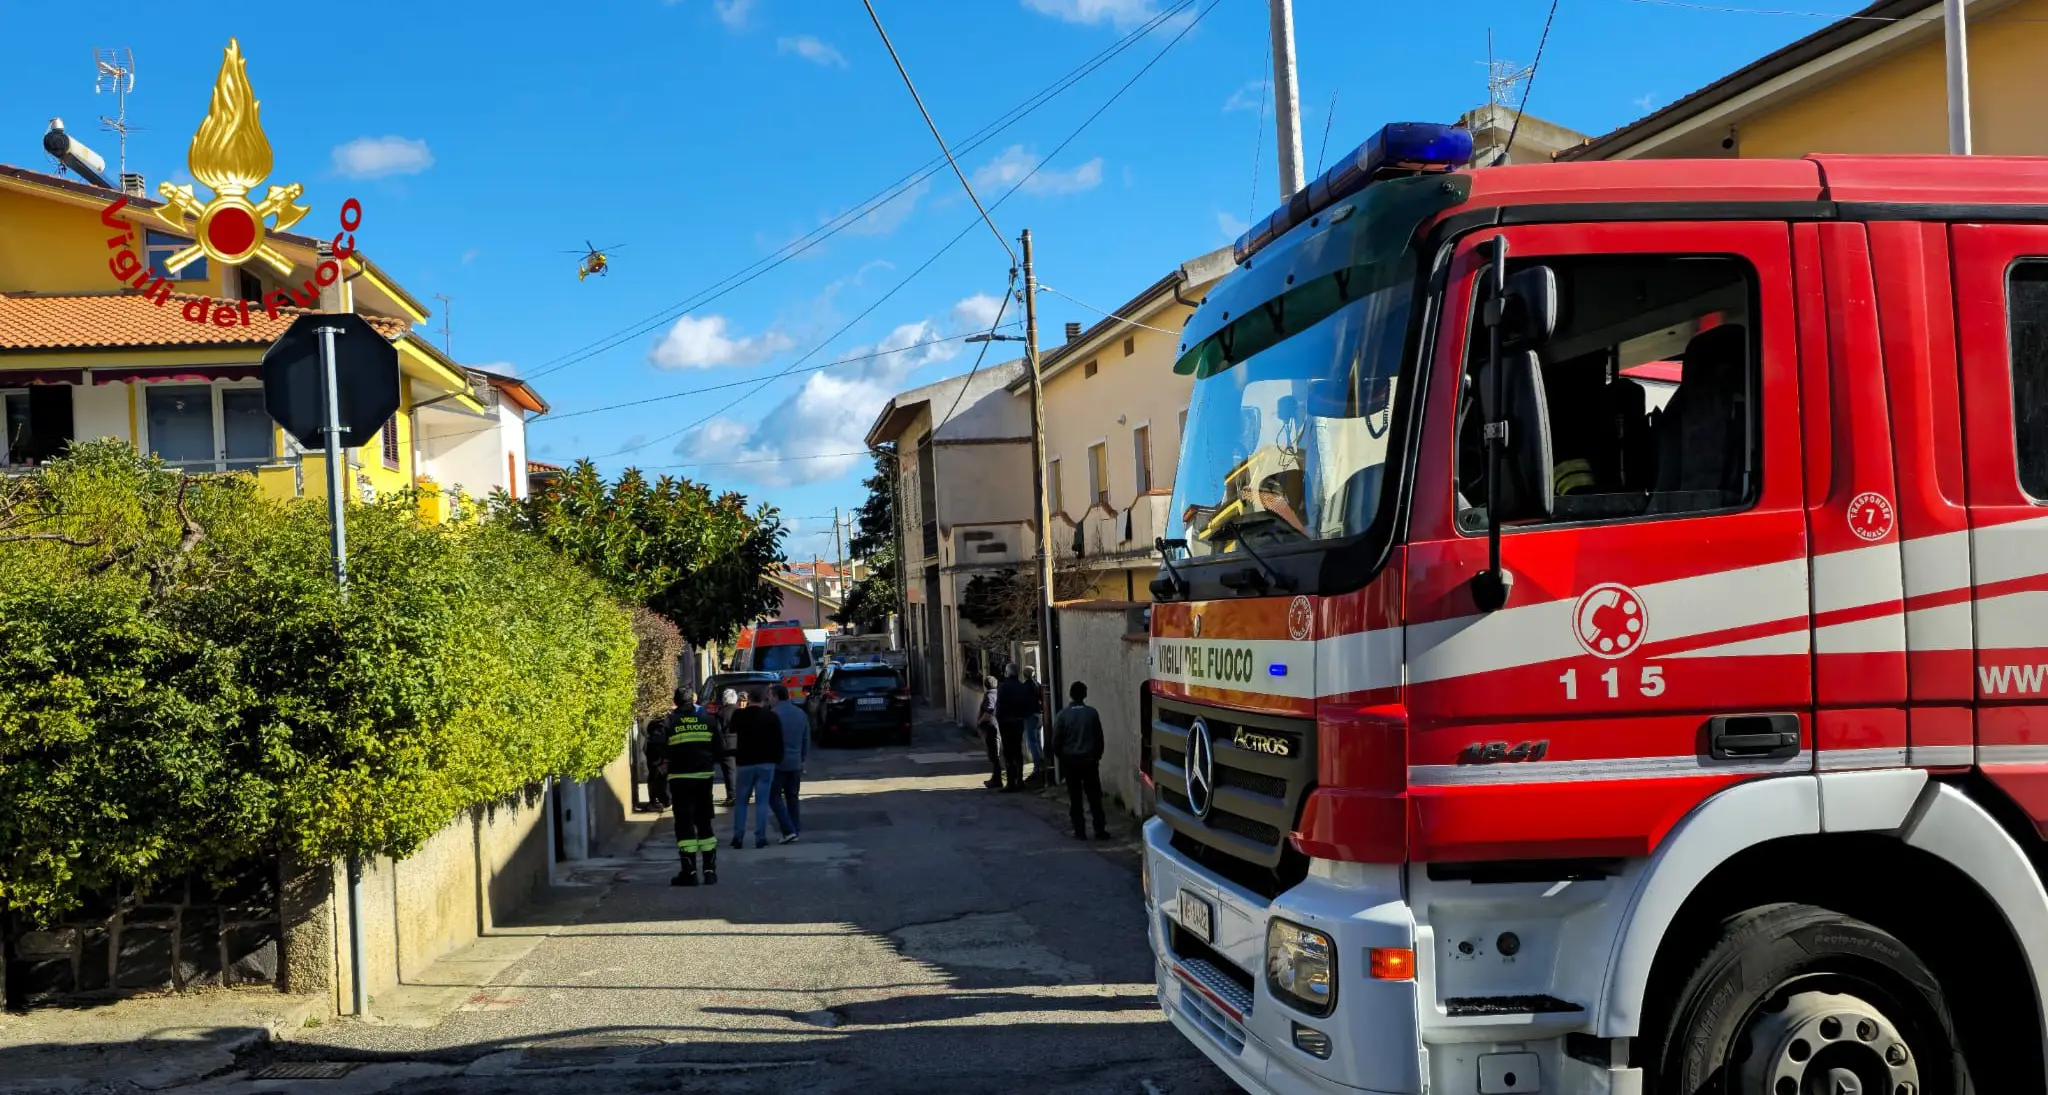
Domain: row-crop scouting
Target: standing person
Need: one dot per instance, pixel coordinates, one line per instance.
(692, 757)
(789, 773)
(1013, 702)
(1077, 742)
(654, 751)
(1034, 721)
(986, 723)
(727, 744)
(759, 734)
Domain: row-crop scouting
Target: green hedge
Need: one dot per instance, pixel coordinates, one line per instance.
(182, 684)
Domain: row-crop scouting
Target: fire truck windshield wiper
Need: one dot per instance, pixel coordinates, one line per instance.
(1266, 575)
(1176, 586)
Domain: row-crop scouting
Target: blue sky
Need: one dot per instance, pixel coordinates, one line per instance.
(483, 140)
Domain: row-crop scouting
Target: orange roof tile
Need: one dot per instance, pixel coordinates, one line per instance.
(126, 318)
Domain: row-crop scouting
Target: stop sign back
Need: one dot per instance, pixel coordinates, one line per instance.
(365, 378)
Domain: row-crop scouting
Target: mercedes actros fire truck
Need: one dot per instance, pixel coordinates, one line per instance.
(1602, 642)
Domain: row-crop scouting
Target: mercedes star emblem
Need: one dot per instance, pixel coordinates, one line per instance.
(1201, 769)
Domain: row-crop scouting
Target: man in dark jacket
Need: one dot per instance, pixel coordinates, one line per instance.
(1077, 742)
(654, 754)
(1014, 700)
(759, 734)
(692, 760)
(722, 727)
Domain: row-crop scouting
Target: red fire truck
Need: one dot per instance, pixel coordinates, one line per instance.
(1603, 642)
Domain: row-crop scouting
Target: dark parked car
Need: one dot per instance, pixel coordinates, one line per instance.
(860, 700)
(711, 695)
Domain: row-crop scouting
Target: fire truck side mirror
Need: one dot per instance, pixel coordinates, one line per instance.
(1525, 311)
(1524, 490)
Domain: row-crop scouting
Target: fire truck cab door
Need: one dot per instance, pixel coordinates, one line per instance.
(1655, 646)
(2001, 309)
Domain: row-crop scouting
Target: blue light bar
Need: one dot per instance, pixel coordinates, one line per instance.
(1398, 149)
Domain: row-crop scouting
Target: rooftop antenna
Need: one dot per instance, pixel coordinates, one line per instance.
(444, 299)
(115, 72)
(1503, 78)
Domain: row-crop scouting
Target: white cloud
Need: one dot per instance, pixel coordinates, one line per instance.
(1014, 164)
(1251, 96)
(470, 255)
(1647, 103)
(890, 215)
(811, 49)
(1230, 226)
(733, 13)
(701, 342)
(1124, 14)
(976, 313)
(805, 438)
(375, 157)
(502, 368)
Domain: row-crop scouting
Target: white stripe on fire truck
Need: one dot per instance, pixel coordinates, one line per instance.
(1359, 662)
(1881, 756)
(1786, 642)
(1856, 577)
(1942, 756)
(2015, 620)
(2012, 754)
(1606, 768)
(2000, 553)
(1876, 635)
(1532, 634)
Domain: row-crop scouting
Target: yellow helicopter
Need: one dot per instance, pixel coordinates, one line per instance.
(595, 260)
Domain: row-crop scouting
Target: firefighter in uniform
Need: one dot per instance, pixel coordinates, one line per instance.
(693, 752)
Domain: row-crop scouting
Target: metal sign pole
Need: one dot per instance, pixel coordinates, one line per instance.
(335, 469)
(359, 995)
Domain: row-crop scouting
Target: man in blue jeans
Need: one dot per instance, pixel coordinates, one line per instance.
(789, 772)
(758, 734)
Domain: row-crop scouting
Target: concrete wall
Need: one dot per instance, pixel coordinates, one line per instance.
(1101, 643)
(473, 875)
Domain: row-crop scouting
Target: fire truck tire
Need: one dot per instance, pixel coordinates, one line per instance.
(1793, 998)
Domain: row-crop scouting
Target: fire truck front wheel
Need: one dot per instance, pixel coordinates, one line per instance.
(1793, 999)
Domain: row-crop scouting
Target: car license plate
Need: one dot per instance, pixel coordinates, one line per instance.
(1197, 916)
(871, 702)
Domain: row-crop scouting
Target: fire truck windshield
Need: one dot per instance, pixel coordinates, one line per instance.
(1287, 443)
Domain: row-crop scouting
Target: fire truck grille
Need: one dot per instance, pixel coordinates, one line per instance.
(1260, 769)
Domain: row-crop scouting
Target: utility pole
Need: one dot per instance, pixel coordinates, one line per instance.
(839, 561)
(817, 604)
(1287, 99)
(1048, 642)
(1958, 78)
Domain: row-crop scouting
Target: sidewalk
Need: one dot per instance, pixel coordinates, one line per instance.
(1050, 800)
(149, 1042)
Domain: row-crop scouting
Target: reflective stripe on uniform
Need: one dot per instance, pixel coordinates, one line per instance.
(697, 844)
(690, 775)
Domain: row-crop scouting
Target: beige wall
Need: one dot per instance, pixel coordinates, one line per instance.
(1900, 105)
(1141, 388)
(1094, 648)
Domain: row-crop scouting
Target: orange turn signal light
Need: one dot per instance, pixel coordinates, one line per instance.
(1391, 963)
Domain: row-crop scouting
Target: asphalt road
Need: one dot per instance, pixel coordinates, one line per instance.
(925, 935)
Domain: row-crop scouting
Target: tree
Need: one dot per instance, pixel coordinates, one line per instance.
(696, 558)
(870, 600)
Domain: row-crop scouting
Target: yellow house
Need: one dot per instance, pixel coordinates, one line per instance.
(84, 355)
(1874, 82)
(1114, 409)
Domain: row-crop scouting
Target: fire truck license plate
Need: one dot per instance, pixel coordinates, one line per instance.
(1197, 917)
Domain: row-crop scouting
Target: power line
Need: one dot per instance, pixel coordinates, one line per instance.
(1529, 86)
(949, 244)
(934, 127)
(1328, 119)
(757, 460)
(986, 343)
(1100, 312)
(740, 383)
(853, 215)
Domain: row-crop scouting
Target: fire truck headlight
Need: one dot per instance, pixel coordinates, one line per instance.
(1301, 967)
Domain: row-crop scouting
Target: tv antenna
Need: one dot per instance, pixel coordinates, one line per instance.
(446, 318)
(1503, 78)
(114, 71)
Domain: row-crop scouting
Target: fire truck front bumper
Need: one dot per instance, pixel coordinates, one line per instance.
(1209, 941)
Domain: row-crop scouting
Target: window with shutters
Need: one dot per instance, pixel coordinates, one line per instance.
(391, 443)
(1098, 473)
(1052, 485)
(1087, 370)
